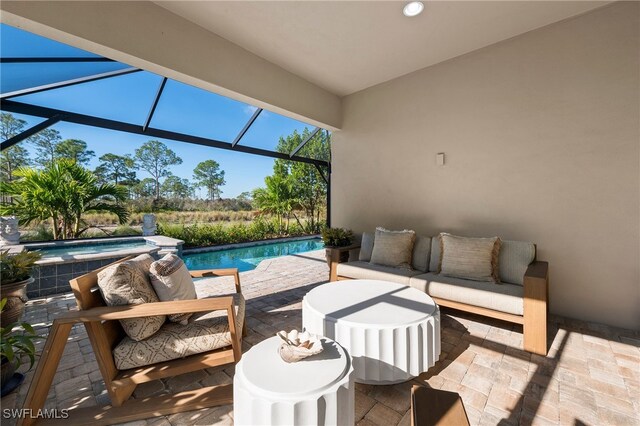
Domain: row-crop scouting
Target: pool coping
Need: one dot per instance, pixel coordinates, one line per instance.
(248, 244)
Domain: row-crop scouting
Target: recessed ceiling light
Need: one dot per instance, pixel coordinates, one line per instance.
(413, 9)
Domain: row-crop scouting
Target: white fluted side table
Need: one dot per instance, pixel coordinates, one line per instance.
(391, 331)
(318, 390)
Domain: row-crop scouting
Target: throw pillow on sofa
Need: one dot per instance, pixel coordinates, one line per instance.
(366, 246)
(171, 281)
(470, 258)
(127, 283)
(421, 253)
(393, 248)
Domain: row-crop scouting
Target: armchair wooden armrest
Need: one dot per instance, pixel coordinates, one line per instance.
(536, 307)
(229, 272)
(104, 313)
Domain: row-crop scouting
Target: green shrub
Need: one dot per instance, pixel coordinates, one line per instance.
(125, 231)
(200, 235)
(17, 267)
(40, 233)
(17, 340)
(337, 237)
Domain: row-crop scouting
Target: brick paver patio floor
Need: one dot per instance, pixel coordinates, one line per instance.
(591, 375)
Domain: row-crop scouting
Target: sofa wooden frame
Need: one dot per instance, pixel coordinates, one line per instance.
(536, 301)
(104, 331)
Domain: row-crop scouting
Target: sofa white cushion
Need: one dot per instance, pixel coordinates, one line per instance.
(421, 253)
(506, 298)
(515, 257)
(369, 271)
(393, 248)
(171, 281)
(366, 246)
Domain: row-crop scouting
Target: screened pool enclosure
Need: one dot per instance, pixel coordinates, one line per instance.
(49, 84)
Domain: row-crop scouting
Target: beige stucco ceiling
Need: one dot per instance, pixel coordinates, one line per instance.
(345, 47)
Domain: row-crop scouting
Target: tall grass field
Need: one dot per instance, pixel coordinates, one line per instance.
(196, 228)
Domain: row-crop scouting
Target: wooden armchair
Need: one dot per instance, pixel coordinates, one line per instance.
(105, 332)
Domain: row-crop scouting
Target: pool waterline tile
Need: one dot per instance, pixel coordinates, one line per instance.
(64, 268)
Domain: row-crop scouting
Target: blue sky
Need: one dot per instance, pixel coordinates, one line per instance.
(182, 108)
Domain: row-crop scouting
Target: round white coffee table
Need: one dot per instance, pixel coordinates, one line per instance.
(318, 390)
(391, 331)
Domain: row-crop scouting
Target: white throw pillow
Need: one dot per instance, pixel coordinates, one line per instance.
(171, 281)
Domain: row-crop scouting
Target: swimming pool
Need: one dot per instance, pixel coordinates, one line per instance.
(247, 258)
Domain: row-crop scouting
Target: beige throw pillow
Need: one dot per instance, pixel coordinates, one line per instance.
(393, 248)
(470, 258)
(171, 281)
(127, 283)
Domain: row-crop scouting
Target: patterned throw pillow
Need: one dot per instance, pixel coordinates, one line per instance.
(171, 281)
(127, 283)
(471, 258)
(393, 248)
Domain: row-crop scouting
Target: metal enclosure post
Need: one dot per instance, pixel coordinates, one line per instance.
(329, 195)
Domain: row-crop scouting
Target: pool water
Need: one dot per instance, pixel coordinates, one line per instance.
(72, 250)
(247, 258)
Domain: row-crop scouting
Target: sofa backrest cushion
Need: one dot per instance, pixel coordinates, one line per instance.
(421, 253)
(366, 246)
(393, 248)
(514, 259)
(434, 257)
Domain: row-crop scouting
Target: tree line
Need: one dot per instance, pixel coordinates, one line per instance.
(153, 157)
(58, 175)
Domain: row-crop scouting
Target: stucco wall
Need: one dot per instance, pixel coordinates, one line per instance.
(542, 141)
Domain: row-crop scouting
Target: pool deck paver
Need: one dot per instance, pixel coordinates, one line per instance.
(591, 375)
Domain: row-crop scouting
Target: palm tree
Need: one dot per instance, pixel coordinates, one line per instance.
(277, 198)
(61, 193)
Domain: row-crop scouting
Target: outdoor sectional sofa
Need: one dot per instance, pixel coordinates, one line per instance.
(521, 296)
